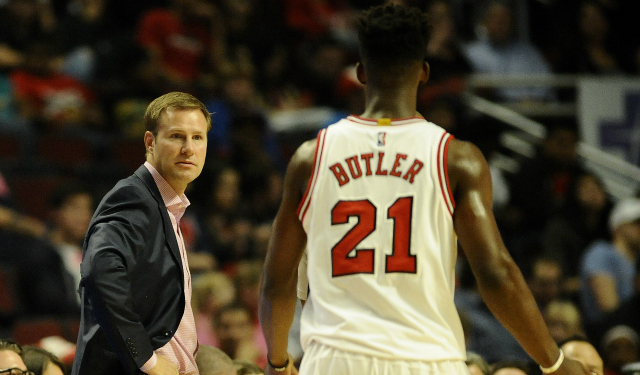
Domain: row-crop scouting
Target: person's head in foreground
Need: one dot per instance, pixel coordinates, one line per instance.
(11, 358)
(476, 364)
(213, 361)
(580, 349)
(42, 362)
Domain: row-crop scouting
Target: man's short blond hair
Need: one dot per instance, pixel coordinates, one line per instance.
(173, 100)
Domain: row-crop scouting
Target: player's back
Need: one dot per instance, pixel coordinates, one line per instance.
(381, 246)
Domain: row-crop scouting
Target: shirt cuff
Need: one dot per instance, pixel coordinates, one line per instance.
(150, 363)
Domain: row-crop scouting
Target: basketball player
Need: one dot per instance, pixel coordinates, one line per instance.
(378, 201)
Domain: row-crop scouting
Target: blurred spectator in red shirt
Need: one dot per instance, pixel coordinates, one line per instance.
(53, 99)
(179, 42)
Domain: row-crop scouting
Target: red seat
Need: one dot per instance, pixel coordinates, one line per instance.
(30, 331)
(72, 330)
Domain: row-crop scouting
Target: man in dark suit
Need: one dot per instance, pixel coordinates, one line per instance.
(136, 285)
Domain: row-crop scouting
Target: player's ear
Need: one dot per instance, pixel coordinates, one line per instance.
(148, 141)
(424, 74)
(362, 78)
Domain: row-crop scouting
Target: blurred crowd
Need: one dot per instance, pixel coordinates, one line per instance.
(77, 75)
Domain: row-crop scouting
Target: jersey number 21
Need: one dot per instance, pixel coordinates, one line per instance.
(400, 259)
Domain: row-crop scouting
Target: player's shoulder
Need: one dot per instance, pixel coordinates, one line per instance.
(465, 160)
(464, 152)
(305, 152)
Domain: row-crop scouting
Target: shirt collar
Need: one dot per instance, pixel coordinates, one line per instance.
(169, 196)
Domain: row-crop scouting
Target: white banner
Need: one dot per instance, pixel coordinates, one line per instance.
(609, 115)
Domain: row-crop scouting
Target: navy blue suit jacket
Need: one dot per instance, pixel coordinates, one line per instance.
(132, 286)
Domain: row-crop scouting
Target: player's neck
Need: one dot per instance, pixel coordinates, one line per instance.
(400, 104)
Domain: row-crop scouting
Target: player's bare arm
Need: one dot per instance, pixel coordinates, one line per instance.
(287, 244)
(499, 280)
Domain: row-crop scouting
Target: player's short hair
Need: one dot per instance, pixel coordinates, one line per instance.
(173, 100)
(392, 34)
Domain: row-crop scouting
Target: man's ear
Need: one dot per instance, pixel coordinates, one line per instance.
(362, 78)
(424, 75)
(149, 140)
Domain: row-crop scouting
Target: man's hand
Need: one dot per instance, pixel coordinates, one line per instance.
(163, 367)
(571, 367)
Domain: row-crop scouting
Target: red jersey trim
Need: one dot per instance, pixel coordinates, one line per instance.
(306, 198)
(446, 170)
(442, 171)
(394, 122)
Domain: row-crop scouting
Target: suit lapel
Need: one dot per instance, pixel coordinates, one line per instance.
(146, 177)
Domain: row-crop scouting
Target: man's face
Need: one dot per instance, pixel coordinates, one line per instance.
(545, 283)
(75, 215)
(179, 149)
(630, 234)
(235, 326)
(498, 22)
(10, 359)
(586, 354)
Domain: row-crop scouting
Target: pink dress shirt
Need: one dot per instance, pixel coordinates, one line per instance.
(182, 347)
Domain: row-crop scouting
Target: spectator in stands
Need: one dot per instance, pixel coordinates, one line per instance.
(235, 332)
(244, 367)
(582, 220)
(538, 190)
(323, 64)
(263, 189)
(11, 357)
(486, 336)
(595, 50)
(17, 231)
(563, 319)
(211, 292)
(22, 22)
(510, 368)
(498, 52)
(449, 65)
(545, 281)
(94, 47)
(248, 275)
(620, 347)
(226, 228)
(41, 362)
(444, 52)
(476, 364)
(180, 43)
(213, 361)
(50, 276)
(608, 269)
(11, 123)
(52, 99)
(312, 19)
(579, 348)
(13, 221)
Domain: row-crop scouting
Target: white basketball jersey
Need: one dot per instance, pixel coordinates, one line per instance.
(380, 242)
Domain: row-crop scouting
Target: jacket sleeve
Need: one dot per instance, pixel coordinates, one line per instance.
(117, 237)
